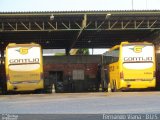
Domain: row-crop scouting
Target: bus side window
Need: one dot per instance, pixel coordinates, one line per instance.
(107, 58)
(111, 57)
(115, 55)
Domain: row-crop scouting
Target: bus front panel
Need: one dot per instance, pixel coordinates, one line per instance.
(138, 66)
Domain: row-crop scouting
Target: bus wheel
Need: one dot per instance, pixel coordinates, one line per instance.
(114, 89)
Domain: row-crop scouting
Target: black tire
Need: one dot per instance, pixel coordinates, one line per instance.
(114, 87)
(39, 91)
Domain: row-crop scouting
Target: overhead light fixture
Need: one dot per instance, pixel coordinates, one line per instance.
(108, 15)
(52, 17)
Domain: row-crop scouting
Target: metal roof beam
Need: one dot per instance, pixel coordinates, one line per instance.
(67, 27)
(55, 28)
(106, 18)
(84, 25)
(12, 26)
(27, 28)
(137, 26)
(150, 26)
(122, 12)
(126, 24)
(111, 26)
(38, 26)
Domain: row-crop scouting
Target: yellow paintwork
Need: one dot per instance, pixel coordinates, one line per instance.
(21, 80)
(25, 86)
(73, 51)
(133, 79)
(139, 84)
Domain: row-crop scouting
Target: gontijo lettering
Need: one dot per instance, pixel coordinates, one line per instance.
(19, 61)
(132, 59)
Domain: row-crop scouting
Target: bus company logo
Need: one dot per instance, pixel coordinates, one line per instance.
(23, 51)
(137, 49)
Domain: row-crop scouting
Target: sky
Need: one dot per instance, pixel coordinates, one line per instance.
(77, 5)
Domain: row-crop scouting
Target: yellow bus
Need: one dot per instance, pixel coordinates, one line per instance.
(24, 67)
(129, 66)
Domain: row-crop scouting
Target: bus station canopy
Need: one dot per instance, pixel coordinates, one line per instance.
(79, 29)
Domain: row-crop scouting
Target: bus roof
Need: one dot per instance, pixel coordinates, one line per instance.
(114, 47)
(10, 45)
(137, 43)
(129, 43)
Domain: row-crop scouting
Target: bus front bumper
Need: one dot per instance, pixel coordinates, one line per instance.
(25, 86)
(138, 84)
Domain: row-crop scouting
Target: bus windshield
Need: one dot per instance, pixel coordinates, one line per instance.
(139, 56)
